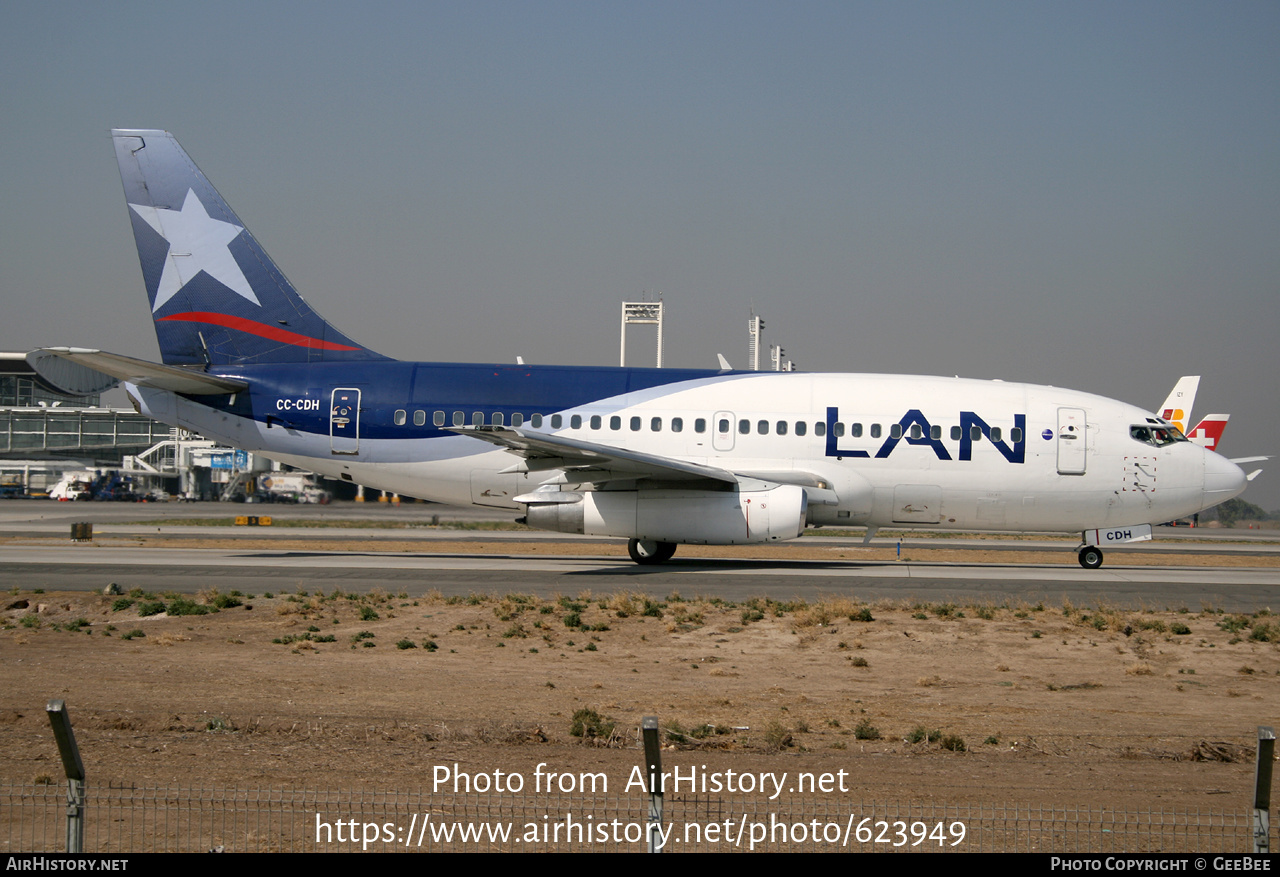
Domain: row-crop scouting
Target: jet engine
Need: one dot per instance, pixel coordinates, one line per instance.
(708, 517)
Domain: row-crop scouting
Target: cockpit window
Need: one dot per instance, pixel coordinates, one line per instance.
(1158, 436)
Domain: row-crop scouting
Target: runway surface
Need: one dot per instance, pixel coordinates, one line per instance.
(69, 566)
(89, 567)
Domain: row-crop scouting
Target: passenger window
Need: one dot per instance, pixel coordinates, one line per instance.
(459, 418)
(723, 425)
(477, 418)
(399, 417)
(819, 429)
(575, 422)
(536, 421)
(975, 433)
(419, 418)
(956, 433)
(744, 427)
(677, 424)
(1015, 435)
(557, 421)
(437, 418)
(595, 421)
(762, 427)
(855, 430)
(837, 429)
(655, 425)
(782, 427)
(895, 431)
(995, 433)
(615, 422)
(496, 420)
(801, 427)
(935, 432)
(700, 425)
(517, 419)
(875, 430)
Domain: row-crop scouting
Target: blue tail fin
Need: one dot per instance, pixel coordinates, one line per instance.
(216, 296)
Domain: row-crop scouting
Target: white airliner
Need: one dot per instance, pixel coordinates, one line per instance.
(658, 456)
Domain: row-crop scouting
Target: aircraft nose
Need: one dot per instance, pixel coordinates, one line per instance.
(1222, 478)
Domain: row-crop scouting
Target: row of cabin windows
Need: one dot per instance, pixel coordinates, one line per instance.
(723, 426)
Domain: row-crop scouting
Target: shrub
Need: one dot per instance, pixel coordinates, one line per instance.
(587, 722)
(864, 730)
(919, 734)
(1265, 633)
(187, 606)
(776, 736)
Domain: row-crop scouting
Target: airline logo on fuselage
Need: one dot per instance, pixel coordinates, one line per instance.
(1015, 453)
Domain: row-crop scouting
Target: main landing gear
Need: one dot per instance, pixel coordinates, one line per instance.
(1091, 557)
(646, 552)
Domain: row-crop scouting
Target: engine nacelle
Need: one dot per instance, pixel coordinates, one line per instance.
(730, 517)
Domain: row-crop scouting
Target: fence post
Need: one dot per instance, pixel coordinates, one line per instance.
(73, 767)
(1262, 790)
(653, 763)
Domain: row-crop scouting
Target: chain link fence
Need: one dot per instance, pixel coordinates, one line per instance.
(185, 819)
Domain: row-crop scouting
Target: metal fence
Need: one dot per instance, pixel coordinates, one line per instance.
(182, 819)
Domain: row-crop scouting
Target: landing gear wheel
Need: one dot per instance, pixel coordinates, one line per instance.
(1090, 557)
(646, 552)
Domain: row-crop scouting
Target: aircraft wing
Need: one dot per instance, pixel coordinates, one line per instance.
(597, 463)
(143, 373)
(542, 452)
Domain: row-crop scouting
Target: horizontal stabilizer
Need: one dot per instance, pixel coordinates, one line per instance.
(146, 374)
(59, 375)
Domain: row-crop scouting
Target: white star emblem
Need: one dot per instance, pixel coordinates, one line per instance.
(197, 242)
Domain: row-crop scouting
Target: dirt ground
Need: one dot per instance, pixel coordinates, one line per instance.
(1079, 706)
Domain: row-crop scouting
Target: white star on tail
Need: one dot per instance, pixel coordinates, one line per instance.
(197, 242)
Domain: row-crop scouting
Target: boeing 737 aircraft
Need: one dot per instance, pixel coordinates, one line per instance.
(658, 456)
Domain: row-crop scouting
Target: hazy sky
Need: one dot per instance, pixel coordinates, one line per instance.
(1077, 193)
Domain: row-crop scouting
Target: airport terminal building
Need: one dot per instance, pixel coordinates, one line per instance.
(52, 441)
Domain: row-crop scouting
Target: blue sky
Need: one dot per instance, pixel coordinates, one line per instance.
(1082, 194)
